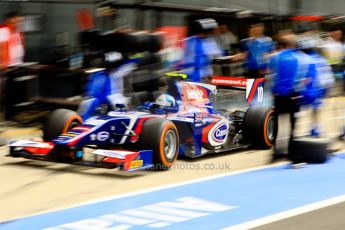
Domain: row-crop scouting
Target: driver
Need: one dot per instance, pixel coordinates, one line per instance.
(165, 101)
(163, 104)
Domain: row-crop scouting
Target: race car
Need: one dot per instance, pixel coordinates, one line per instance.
(181, 122)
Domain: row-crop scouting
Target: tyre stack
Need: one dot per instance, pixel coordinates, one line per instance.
(134, 42)
(310, 150)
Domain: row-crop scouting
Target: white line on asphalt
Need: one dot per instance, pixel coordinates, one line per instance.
(328, 135)
(127, 219)
(287, 214)
(329, 119)
(304, 123)
(336, 118)
(157, 216)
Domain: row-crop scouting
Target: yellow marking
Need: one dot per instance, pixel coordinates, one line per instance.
(69, 134)
(136, 164)
(11, 133)
(138, 55)
(182, 75)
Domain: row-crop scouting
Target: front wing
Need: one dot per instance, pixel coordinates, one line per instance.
(125, 160)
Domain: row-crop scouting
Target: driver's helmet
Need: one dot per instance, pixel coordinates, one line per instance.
(166, 100)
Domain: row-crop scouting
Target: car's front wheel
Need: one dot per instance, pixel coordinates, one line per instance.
(161, 136)
(60, 121)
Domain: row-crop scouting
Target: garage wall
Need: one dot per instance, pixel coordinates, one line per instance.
(61, 17)
(148, 18)
(267, 6)
(57, 18)
(177, 18)
(323, 7)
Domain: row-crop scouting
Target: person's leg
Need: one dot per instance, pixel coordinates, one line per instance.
(342, 135)
(2, 95)
(343, 82)
(294, 108)
(315, 128)
(292, 155)
(280, 145)
(277, 103)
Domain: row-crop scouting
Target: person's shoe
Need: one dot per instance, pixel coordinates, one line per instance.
(298, 165)
(277, 158)
(314, 132)
(3, 141)
(342, 137)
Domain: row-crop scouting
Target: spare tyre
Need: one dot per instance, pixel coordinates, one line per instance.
(309, 150)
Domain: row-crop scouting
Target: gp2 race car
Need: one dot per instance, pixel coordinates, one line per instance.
(182, 122)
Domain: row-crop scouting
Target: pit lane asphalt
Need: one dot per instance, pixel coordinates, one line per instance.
(330, 218)
(29, 187)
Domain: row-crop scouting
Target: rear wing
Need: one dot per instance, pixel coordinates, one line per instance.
(254, 87)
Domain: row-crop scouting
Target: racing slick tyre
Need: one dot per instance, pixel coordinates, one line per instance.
(161, 136)
(260, 127)
(60, 121)
(310, 150)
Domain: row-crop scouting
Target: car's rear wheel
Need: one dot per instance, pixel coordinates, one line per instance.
(60, 121)
(260, 127)
(161, 136)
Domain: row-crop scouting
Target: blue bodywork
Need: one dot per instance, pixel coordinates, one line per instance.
(115, 136)
(193, 115)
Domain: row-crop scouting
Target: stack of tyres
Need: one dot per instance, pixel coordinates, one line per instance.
(310, 150)
(134, 42)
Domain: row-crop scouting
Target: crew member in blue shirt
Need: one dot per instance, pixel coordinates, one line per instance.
(200, 50)
(290, 69)
(255, 51)
(321, 80)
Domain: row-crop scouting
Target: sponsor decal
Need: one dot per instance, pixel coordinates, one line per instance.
(198, 117)
(136, 164)
(101, 136)
(255, 90)
(82, 128)
(220, 132)
(69, 135)
(23, 143)
(181, 75)
(229, 81)
(181, 118)
(94, 122)
(194, 94)
(198, 124)
(130, 114)
(114, 154)
(207, 120)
